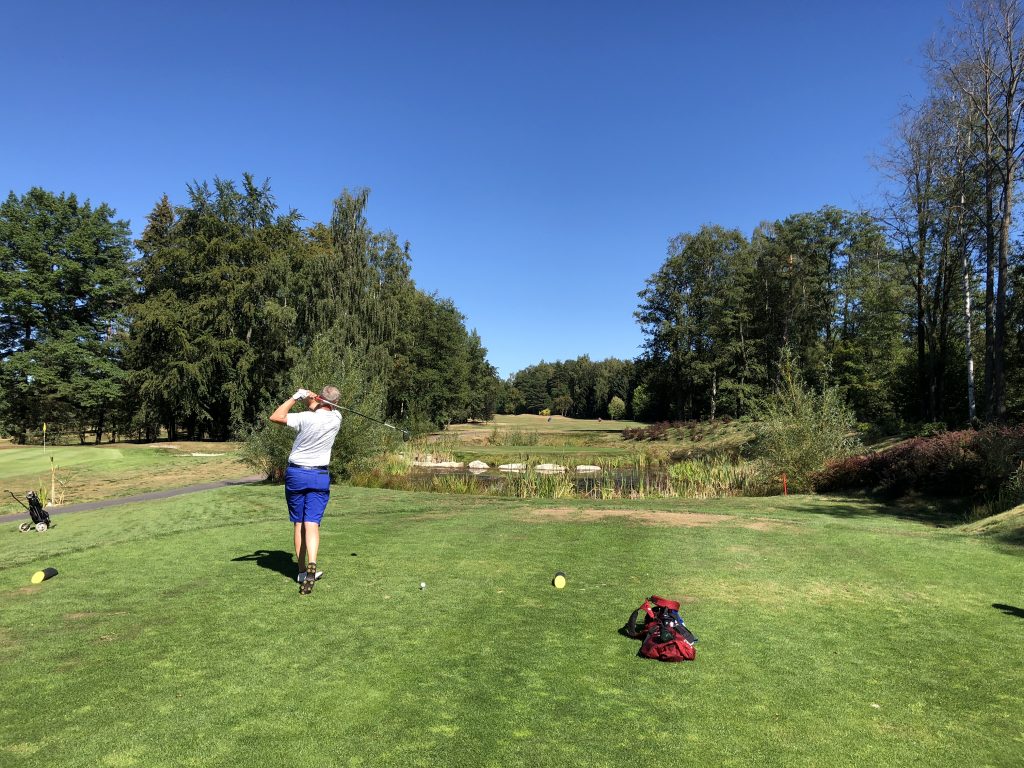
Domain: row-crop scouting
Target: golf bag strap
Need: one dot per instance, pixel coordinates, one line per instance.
(633, 628)
(663, 602)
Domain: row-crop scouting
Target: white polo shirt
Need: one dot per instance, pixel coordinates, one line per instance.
(316, 432)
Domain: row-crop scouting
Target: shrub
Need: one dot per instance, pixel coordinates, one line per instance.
(267, 446)
(266, 450)
(799, 431)
(941, 465)
(657, 431)
(960, 464)
(931, 429)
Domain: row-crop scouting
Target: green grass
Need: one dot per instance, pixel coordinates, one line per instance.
(92, 472)
(834, 632)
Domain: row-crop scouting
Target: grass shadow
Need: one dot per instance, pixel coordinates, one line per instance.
(1009, 610)
(941, 513)
(277, 560)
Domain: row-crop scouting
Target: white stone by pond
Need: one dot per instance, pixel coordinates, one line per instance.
(551, 468)
(479, 465)
(587, 468)
(512, 467)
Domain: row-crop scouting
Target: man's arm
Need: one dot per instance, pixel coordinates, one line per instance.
(280, 416)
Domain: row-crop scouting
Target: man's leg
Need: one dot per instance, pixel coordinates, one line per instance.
(316, 503)
(296, 499)
(300, 547)
(311, 534)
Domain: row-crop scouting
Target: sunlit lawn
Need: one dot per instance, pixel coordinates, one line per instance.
(833, 633)
(91, 472)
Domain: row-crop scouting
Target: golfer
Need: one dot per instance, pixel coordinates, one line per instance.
(307, 483)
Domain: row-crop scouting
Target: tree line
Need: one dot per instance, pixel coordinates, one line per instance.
(909, 309)
(202, 324)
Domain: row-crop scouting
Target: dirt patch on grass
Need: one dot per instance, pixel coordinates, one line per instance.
(26, 590)
(79, 615)
(764, 524)
(674, 519)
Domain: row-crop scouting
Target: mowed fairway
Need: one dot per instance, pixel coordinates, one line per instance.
(832, 633)
(92, 472)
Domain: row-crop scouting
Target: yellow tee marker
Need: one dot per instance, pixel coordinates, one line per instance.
(40, 576)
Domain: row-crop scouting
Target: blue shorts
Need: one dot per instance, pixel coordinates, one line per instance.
(307, 492)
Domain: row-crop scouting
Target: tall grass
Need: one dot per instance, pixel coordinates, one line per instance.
(461, 484)
(441, 447)
(709, 477)
(644, 473)
(513, 437)
(539, 485)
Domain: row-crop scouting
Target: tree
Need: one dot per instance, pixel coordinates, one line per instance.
(324, 362)
(212, 331)
(510, 399)
(616, 408)
(983, 58)
(695, 314)
(533, 384)
(440, 388)
(826, 295)
(63, 286)
(483, 389)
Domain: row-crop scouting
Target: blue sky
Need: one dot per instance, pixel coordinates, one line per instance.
(537, 155)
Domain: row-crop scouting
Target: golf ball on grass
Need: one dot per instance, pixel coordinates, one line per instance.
(423, 585)
(559, 581)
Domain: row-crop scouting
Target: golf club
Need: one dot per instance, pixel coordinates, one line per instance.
(403, 432)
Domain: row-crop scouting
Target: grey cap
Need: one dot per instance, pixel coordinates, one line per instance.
(330, 394)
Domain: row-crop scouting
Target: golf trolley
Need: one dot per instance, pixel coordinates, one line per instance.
(40, 517)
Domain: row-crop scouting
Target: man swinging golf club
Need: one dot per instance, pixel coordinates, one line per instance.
(307, 483)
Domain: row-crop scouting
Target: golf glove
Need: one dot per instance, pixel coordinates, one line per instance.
(301, 394)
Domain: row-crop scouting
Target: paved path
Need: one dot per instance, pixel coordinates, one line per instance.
(136, 499)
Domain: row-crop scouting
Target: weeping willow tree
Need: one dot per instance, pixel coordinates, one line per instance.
(354, 288)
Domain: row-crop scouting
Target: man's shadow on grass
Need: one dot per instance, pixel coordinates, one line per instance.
(276, 560)
(1009, 610)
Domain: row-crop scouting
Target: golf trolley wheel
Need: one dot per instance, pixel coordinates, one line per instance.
(41, 527)
(24, 527)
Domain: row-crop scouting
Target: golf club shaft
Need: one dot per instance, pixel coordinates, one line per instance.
(368, 418)
(357, 413)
